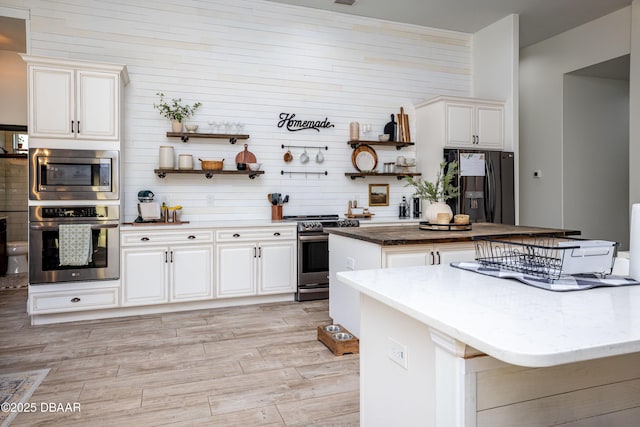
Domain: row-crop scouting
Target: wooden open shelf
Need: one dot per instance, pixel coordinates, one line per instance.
(399, 175)
(184, 136)
(207, 173)
(396, 144)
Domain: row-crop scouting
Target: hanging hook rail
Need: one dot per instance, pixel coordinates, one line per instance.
(305, 146)
(282, 172)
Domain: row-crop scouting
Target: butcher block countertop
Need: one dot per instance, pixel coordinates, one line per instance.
(411, 234)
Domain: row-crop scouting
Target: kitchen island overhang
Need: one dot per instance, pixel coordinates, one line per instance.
(482, 351)
(506, 319)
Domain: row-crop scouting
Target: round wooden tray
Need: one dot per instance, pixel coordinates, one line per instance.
(364, 158)
(425, 225)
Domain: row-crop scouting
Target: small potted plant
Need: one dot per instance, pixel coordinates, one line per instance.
(437, 192)
(175, 111)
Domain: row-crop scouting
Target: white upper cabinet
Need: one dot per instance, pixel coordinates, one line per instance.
(461, 123)
(456, 122)
(474, 124)
(74, 100)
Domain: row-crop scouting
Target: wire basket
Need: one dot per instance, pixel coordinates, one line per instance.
(547, 257)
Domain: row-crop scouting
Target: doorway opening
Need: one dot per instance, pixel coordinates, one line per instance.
(595, 151)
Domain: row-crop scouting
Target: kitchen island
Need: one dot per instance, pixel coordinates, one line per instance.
(407, 245)
(440, 346)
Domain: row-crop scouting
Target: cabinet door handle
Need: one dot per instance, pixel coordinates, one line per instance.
(191, 237)
(74, 300)
(254, 252)
(433, 258)
(438, 253)
(165, 257)
(260, 252)
(78, 126)
(145, 239)
(236, 235)
(72, 127)
(276, 234)
(171, 257)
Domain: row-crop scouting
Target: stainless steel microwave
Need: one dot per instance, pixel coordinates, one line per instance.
(56, 174)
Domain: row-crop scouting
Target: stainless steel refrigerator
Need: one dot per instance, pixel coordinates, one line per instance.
(486, 180)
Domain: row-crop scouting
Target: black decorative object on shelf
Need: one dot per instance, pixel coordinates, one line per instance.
(390, 129)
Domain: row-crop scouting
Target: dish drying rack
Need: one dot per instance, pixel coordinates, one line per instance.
(547, 257)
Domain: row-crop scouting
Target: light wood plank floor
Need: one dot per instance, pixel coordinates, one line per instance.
(240, 366)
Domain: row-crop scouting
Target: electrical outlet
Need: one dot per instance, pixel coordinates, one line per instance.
(398, 352)
(351, 263)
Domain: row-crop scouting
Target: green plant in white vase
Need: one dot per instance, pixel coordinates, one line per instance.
(438, 191)
(175, 110)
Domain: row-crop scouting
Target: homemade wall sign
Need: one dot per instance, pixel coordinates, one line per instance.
(289, 122)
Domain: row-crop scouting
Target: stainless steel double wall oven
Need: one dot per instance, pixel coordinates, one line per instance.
(80, 179)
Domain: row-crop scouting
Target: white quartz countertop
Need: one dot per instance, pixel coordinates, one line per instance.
(506, 319)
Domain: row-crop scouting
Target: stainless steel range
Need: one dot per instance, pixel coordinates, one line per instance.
(313, 253)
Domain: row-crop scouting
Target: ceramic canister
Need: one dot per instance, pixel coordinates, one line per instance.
(354, 131)
(166, 160)
(185, 161)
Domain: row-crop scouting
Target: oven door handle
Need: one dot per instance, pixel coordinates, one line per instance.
(314, 238)
(55, 227)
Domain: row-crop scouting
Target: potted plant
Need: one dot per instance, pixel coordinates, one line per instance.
(437, 192)
(175, 111)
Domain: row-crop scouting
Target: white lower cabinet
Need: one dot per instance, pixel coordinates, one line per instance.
(69, 299)
(255, 261)
(162, 267)
(403, 256)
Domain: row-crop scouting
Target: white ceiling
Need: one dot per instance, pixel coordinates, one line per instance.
(539, 19)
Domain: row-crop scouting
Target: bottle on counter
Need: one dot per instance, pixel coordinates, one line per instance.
(416, 207)
(403, 211)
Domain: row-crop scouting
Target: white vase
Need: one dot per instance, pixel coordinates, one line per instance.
(432, 211)
(176, 126)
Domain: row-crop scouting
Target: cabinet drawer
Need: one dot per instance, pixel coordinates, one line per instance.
(57, 302)
(156, 237)
(254, 234)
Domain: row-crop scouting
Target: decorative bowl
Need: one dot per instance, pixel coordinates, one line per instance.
(254, 166)
(241, 166)
(384, 137)
(191, 128)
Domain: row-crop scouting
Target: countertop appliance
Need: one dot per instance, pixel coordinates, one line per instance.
(313, 253)
(44, 243)
(486, 180)
(56, 174)
(148, 210)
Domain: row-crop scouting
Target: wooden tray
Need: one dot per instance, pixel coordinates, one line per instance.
(338, 347)
(424, 225)
(366, 215)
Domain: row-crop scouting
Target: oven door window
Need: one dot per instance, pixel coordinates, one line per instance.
(314, 256)
(51, 257)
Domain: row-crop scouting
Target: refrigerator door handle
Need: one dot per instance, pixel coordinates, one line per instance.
(491, 192)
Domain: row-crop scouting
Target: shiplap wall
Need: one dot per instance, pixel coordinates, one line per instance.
(249, 61)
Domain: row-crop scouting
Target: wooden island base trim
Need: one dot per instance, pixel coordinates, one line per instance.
(338, 347)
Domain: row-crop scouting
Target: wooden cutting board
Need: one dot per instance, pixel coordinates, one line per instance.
(245, 156)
